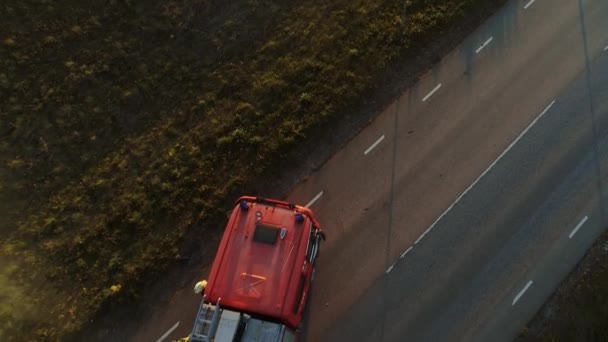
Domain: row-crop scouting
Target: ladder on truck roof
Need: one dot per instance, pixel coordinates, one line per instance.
(206, 321)
(214, 323)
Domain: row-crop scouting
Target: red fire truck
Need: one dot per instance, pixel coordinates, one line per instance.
(259, 282)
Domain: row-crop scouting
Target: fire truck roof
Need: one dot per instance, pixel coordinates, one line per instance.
(257, 268)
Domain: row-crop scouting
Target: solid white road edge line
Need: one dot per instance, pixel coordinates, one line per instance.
(521, 293)
(168, 332)
(388, 270)
(369, 149)
(486, 171)
(529, 4)
(312, 201)
(484, 44)
(606, 48)
(431, 93)
(578, 226)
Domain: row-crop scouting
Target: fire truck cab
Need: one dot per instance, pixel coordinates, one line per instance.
(259, 282)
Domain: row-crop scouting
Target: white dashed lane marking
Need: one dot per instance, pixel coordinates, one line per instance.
(369, 149)
(165, 335)
(529, 4)
(521, 293)
(484, 44)
(578, 226)
(312, 201)
(428, 96)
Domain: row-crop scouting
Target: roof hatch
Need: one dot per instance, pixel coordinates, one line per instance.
(266, 234)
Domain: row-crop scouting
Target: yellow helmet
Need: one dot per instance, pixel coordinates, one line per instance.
(200, 286)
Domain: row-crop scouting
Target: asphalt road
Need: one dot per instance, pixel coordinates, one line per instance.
(449, 218)
(515, 226)
(507, 229)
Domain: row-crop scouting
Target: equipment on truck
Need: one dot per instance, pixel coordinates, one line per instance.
(259, 282)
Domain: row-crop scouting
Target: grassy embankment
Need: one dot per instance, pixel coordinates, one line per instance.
(124, 124)
(578, 310)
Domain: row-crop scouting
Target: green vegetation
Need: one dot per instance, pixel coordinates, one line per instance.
(125, 124)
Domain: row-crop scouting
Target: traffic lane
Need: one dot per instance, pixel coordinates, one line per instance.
(351, 180)
(595, 31)
(351, 204)
(570, 249)
(454, 267)
(347, 276)
(469, 308)
(351, 184)
(549, 271)
(506, 273)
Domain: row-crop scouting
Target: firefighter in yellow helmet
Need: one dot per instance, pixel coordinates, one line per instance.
(200, 287)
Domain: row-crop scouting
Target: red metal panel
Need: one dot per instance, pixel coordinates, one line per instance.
(261, 278)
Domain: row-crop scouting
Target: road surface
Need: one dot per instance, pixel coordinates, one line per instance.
(511, 227)
(459, 209)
